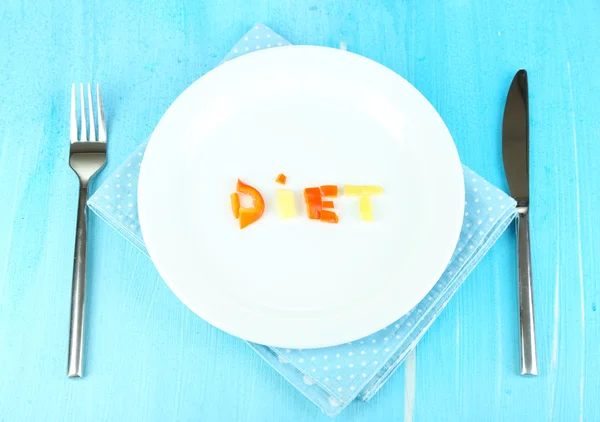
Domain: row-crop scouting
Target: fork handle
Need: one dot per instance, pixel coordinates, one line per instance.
(75, 364)
(526, 317)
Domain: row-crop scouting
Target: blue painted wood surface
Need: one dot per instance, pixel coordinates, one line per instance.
(148, 357)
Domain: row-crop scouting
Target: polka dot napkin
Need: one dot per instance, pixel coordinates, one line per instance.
(334, 376)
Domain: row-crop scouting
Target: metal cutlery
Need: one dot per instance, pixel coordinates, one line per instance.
(515, 153)
(87, 156)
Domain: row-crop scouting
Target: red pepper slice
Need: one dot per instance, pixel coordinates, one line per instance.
(281, 179)
(329, 191)
(329, 217)
(314, 206)
(250, 215)
(235, 204)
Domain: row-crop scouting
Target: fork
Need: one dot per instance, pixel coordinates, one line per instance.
(87, 156)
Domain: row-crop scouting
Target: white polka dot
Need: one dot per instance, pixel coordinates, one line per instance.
(487, 188)
(374, 350)
(246, 49)
(301, 360)
(475, 189)
(118, 175)
(489, 198)
(491, 219)
(245, 38)
(307, 380)
(118, 207)
(375, 362)
(312, 358)
(502, 206)
(129, 195)
(235, 50)
(364, 375)
(499, 197)
(362, 342)
(490, 208)
(449, 272)
(460, 259)
(408, 324)
(256, 27)
(119, 195)
(314, 370)
(278, 43)
(106, 186)
(420, 311)
(128, 185)
(351, 365)
(282, 359)
(364, 363)
(352, 387)
(468, 224)
(325, 368)
(130, 205)
(268, 35)
(385, 339)
(476, 199)
(258, 47)
(474, 180)
(350, 353)
(325, 357)
(339, 388)
(470, 246)
(397, 337)
(470, 236)
(108, 206)
(334, 402)
(387, 350)
(362, 353)
(466, 214)
(338, 367)
(429, 298)
(128, 164)
(131, 226)
(479, 221)
(339, 378)
(326, 379)
(373, 341)
(352, 376)
(480, 233)
(120, 216)
(397, 325)
(268, 45)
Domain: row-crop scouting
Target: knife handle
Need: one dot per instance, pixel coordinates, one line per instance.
(527, 322)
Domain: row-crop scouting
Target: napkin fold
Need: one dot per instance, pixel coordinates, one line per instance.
(333, 377)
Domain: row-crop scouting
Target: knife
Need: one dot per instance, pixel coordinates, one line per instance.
(515, 153)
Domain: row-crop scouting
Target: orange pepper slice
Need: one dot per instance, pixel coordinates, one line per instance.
(329, 217)
(282, 178)
(235, 204)
(328, 204)
(250, 215)
(314, 206)
(330, 191)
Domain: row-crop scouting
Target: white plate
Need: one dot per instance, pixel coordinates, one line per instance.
(320, 116)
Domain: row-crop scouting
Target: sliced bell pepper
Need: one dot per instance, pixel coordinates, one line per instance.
(286, 206)
(352, 190)
(366, 211)
(329, 191)
(235, 204)
(281, 179)
(250, 215)
(328, 204)
(329, 217)
(314, 206)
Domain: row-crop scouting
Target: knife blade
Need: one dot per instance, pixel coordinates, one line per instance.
(515, 154)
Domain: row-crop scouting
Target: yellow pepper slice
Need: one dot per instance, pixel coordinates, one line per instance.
(286, 205)
(354, 190)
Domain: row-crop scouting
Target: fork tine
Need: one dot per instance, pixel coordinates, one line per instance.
(101, 121)
(73, 115)
(83, 124)
(91, 112)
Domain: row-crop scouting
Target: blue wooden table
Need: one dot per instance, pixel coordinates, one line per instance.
(148, 357)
